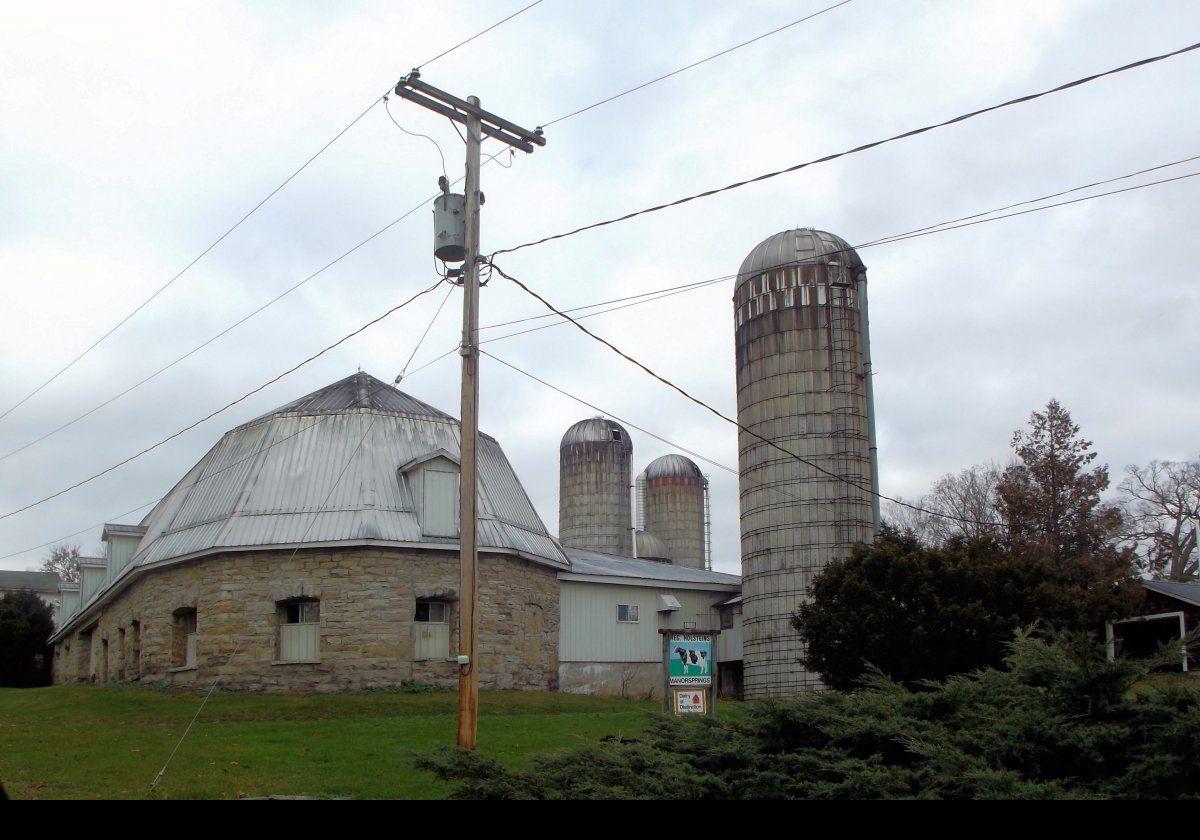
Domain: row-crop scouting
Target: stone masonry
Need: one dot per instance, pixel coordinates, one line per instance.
(367, 599)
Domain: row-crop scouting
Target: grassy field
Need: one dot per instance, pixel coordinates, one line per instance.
(87, 742)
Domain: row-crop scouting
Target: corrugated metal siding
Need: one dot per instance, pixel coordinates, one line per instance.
(591, 633)
(439, 502)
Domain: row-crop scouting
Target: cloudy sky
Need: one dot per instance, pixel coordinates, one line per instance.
(136, 134)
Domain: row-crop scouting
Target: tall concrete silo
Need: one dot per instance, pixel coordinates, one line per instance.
(803, 383)
(594, 511)
(674, 494)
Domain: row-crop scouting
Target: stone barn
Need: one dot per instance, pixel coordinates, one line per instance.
(316, 548)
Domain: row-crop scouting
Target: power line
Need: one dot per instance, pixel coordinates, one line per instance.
(387, 107)
(199, 480)
(720, 414)
(217, 678)
(240, 221)
(477, 34)
(213, 338)
(184, 270)
(795, 168)
(421, 340)
(693, 64)
(928, 230)
(633, 425)
(225, 407)
(237, 323)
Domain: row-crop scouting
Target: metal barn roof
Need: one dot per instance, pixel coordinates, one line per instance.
(36, 581)
(1187, 592)
(324, 470)
(595, 563)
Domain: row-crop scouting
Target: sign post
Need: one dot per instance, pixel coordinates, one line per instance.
(689, 672)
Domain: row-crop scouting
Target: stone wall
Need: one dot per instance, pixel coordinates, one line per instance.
(368, 599)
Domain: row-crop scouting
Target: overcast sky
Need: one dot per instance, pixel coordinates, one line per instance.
(135, 134)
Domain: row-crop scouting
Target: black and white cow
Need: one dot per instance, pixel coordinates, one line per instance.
(693, 659)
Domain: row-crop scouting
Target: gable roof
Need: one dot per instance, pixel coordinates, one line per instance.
(37, 581)
(1186, 592)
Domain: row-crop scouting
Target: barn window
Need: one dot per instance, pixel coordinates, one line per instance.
(431, 631)
(431, 481)
(183, 638)
(299, 630)
(627, 613)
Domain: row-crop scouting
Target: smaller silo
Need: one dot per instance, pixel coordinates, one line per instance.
(674, 508)
(595, 467)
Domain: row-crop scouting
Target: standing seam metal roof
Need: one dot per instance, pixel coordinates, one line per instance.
(324, 469)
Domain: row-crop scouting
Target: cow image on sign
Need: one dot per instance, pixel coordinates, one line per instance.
(691, 660)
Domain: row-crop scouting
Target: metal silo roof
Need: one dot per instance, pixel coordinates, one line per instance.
(803, 245)
(597, 430)
(651, 547)
(672, 466)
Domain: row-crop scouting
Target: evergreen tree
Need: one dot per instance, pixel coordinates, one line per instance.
(26, 624)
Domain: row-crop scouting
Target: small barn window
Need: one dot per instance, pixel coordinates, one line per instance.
(439, 503)
(183, 638)
(299, 630)
(431, 633)
(627, 613)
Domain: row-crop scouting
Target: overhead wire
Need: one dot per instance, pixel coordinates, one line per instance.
(234, 325)
(184, 270)
(421, 340)
(928, 230)
(237, 647)
(632, 425)
(244, 218)
(478, 34)
(857, 149)
(199, 480)
(687, 67)
(223, 408)
(717, 412)
(387, 107)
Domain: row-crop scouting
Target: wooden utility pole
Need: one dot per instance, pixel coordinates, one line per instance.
(478, 123)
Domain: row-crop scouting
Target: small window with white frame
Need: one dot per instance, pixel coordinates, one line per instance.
(431, 630)
(627, 614)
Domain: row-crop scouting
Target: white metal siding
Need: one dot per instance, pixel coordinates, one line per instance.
(299, 642)
(439, 503)
(120, 551)
(591, 633)
(431, 640)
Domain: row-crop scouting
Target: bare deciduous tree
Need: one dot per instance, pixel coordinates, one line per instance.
(1162, 516)
(961, 504)
(63, 560)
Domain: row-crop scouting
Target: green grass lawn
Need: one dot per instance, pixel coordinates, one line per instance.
(89, 742)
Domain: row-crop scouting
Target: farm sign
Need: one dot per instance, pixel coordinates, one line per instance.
(690, 660)
(690, 701)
